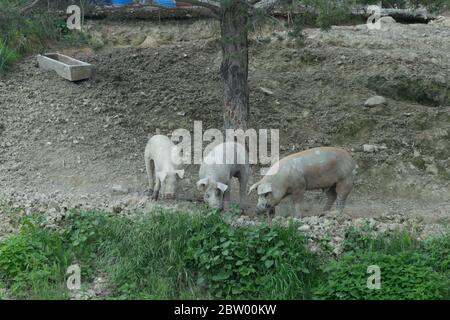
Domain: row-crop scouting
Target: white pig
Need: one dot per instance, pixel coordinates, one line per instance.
(225, 161)
(163, 163)
(327, 168)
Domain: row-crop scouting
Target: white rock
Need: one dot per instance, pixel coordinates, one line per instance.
(432, 168)
(387, 21)
(375, 101)
(304, 228)
(372, 148)
(119, 189)
(266, 91)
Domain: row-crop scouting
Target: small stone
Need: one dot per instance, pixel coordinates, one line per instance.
(266, 91)
(375, 101)
(117, 209)
(388, 20)
(337, 251)
(432, 168)
(119, 189)
(314, 220)
(369, 148)
(304, 228)
(372, 148)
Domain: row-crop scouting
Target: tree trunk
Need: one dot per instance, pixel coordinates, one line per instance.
(234, 67)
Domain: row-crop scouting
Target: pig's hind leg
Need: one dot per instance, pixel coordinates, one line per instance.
(226, 199)
(297, 198)
(157, 183)
(331, 198)
(150, 168)
(156, 190)
(343, 189)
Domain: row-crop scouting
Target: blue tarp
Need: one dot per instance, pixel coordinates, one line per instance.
(103, 2)
(165, 3)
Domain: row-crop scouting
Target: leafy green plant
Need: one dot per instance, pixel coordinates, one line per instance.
(169, 254)
(253, 262)
(33, 262)
(2, 292)
(404, 276)
(410, 268)
(7, 56)
(84, 232)
(437, 252)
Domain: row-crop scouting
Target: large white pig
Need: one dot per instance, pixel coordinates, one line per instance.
(164, 166)
(225, 161)
(327, 168)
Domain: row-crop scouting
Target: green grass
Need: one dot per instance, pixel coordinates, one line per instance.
(410, 269)
(170, 254)
(7, 56)
(21, 34)
(33, 263)
(145, 258)
(174, 255)
(404, 276)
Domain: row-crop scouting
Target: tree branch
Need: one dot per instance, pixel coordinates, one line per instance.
(267, 6)
(215, 9)
(29, 6)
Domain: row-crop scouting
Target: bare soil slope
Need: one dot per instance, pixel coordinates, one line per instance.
(68, 144)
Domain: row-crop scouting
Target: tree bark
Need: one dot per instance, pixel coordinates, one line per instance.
(234, 68)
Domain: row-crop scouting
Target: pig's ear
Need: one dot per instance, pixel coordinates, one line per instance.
(180, 173)
(265, 188)
(222, 187)
(161, 176)
(253, 187)
(201, 184)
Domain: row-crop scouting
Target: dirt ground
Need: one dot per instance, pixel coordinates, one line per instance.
(66, 144)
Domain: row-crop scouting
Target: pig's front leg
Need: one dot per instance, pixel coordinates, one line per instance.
(156, 189)
(226, 199)
(297, 198)
(270, 215)
(243, 180)
(150, 172)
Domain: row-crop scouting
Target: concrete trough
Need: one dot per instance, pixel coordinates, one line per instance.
(65, 66)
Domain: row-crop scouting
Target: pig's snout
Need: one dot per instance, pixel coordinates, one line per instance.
(263, 207)
(216, 206)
